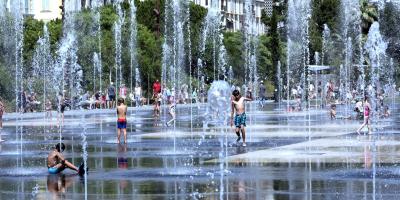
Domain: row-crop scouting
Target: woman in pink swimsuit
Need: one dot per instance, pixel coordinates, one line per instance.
(367, 114)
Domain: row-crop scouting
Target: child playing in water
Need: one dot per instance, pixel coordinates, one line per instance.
(48, 109)
(171, 113)
(367, 113)
(157, 104)
(238, 107)
(333, 111)
(121, 122)
(56, 162)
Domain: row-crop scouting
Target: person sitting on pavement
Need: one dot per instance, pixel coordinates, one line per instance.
(56, 162)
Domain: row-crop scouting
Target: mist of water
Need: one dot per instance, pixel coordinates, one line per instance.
(118, 46)
(133, 46)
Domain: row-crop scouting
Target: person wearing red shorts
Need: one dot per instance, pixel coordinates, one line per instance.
(121, 122)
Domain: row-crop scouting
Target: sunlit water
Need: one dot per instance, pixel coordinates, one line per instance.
(285, 157)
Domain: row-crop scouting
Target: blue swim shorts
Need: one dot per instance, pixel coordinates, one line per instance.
(55, 170)
(240, 120)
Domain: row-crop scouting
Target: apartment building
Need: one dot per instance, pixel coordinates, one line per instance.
(233, 11)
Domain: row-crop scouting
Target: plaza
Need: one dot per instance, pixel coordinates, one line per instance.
(247, 99)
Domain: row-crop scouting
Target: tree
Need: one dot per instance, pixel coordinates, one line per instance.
(369, 14)
(274, 44)
(324, 12)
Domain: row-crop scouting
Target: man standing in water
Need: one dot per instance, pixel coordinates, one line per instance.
(238, 106)
(111, 95)
(56, 162)
(121, 122)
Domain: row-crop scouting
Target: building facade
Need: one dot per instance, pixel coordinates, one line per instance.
(233, 11)
(45, 10)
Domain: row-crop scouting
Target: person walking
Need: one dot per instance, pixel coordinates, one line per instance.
(1, 112)
(261, 93)
(111, 95)
(238, 108)
(367, 114)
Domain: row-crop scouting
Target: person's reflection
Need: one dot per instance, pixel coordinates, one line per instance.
(367, 154)
(122, 159)
(241, 190)
(240, 161)
(156, 122)
(122, 163)
(57, 184)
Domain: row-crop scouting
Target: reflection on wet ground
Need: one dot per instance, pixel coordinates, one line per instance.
(300, 155)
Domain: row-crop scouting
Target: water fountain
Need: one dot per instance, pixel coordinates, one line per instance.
(230, 75)
(212, 33)
(84, 152)
(175, 56)
(351, 37)
(250, 44)
(391, 86)
(326, 34)
(132, 45)
(297, 45)
(218, 109)
(42, 62)
(118, 48)
(17, 16)
(97, 55)
(97, 71)
(376, 47)
(280, 82)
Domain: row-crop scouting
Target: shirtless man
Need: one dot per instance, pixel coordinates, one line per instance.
(56, 162)
(238, 106)
(121, 122)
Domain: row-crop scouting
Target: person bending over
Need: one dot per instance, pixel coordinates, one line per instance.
(56, 162)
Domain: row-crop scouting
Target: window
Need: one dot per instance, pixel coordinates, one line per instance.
(45, 5)
(27, 6)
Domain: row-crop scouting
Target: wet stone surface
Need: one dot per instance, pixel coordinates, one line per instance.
(301, 155)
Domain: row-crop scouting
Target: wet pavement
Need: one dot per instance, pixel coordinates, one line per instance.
(299, 155)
